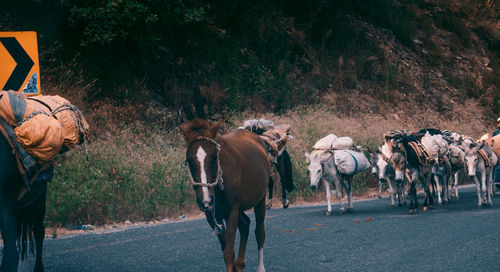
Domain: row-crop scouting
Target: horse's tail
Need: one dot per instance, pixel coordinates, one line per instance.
(31, 213)
(286, 173)
(25, 239)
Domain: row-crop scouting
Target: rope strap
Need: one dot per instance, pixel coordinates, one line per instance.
(33, 114)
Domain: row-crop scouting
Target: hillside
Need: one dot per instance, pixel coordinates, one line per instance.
(357, 68)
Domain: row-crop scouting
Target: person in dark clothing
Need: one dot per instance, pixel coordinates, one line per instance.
(496, 174)
(497, 130)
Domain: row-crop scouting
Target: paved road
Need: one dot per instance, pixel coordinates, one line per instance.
(454, 237)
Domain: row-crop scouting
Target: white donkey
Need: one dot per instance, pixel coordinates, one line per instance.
(385, 173)
(457, 157)
(339, 167)
(437, 148)
(477, 167)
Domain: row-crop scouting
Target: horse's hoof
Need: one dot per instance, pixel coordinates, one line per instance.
(400, 205)
(379, 197)
(490, 205)
(425, 208)
(350, 210)
(479, 206)
(411, 211)
(342, 211)
(269, 205)
(393, 206)
(328, 213)
(286, 203)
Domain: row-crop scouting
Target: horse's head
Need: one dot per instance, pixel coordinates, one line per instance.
(471, 158)
(374, 157)
(379, 165)
(399, 162)
(456, 155)
(202, 158)
(316, 165)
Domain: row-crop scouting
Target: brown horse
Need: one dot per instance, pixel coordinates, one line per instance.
(230, 174)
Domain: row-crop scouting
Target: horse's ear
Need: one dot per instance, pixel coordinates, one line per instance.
(215, 128)
(308, 156)
(472, 145)
(186, 128)
(481, 146)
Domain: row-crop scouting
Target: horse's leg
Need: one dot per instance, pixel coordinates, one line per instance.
(230, 234)
(39, 228)
(349, 193)
(437, 180)
(412, 192)
(399, 188)
(270, 187)
(391, 191)
(446, 189)
(338, 192)
(483, 187)
(478, 191)
(328, 197)
(490, 182)
(260, 233)
(244, 228)
(379, 189)
(454, 184)
(9, 231)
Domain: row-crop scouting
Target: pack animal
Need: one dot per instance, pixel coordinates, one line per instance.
(21, 221)
(385, 173)
(230, 174)
(323, 166)
(407, 164)
(456, 157)
(480, 169)
(437, 150)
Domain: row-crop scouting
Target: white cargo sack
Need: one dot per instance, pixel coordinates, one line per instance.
(333, 142)
(350, 162)
(325, 142)
(343, 143)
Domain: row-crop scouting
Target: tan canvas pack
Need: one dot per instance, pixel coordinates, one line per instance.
(36, 129)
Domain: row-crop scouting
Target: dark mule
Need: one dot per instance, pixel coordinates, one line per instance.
(20, 220)
(230, 174)
(284, 166)
(407, 165)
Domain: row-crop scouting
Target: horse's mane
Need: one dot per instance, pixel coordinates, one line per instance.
(199, 128)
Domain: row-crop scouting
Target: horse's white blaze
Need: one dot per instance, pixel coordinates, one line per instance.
(261, 268)
(471, 163)
(399, 174)
(315, 172)
(201, 155)
(381, 167)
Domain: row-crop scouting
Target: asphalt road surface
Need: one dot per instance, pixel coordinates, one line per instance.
(375, 237)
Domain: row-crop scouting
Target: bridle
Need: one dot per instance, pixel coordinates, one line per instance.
(218, 227)
(219, 180)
